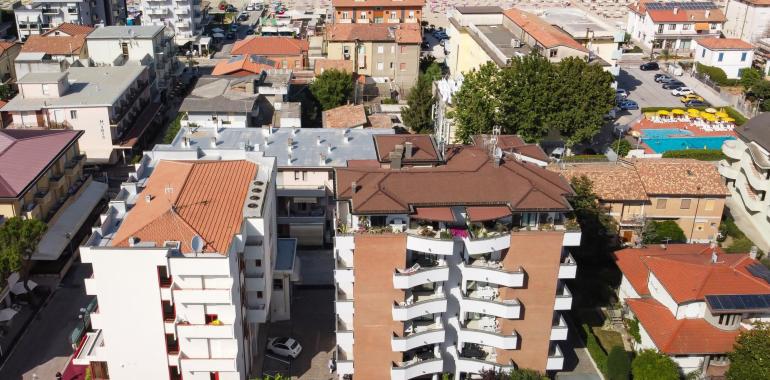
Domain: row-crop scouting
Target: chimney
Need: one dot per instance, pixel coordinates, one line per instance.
(323, 159)
(395, 160)
(348, 138)
(708, 13)
(148, 198)
(295, 131)
(288, 159)
(354, 187)
(329, 148)
(132, 241)
(289, 143)
(714, 256)
(186, 142)
(213, 141)
(676, 10)
(753, 252)
(408, 149)
(318, 140)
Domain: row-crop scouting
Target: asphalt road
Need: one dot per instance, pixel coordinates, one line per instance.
(644, 90)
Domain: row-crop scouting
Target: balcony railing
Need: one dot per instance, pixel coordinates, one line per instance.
(484, 270)
(756, 179)
(417, 334)
(488, 301)
(418, 366)
(486, 331)
(420, 304)
(726, 170)
(555, 359)
(568, 267)
(344, 361)
(423, 271)
(559, 330)
(733, 149)
(563, 299)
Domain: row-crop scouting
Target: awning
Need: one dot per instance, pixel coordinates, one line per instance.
(436, 214)
(701, 26)
(70, 220)
(480, 214)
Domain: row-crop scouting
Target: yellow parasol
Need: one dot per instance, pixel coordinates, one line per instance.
(677, 111)
(662, 113)
(710, 117)
(711, 110)
(729, 119)
(722, 114)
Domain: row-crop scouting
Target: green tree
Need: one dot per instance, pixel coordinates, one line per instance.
(652, 365)
(594, 221)
(621, 147)
(18, 241)
(6, 92)
(618, 364)
(633, 330)
(476, 103)
(666, 231)
(761, 91)
(514, 374)
(418, 114)
(751, 354)
(750, 76)
(332, 88)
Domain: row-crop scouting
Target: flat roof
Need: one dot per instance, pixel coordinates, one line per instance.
(41, 77)
(576, 22)
(88, 86)
(308, 144)
(125, 31)
(501, 37)
(222, 94)
(286, 253)
(479, 10)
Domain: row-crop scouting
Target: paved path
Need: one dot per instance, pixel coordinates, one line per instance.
(45, 349)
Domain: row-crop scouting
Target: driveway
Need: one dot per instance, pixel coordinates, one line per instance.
(644, 90)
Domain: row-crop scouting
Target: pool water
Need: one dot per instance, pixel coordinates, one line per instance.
(663, 140)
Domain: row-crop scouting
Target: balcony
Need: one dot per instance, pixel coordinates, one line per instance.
(572, 238)
(424, 270)
(74, 167)
(209, 331)
(486, 270)
(300, 212)
(159, 11)
(429, 240)
(419, 303)
(344, 362)
(202, 296)
(50, 11)
(32, 211)
(416, 334)
(43, 196)
(424, 363)
(255, 282)
(755, 177)
(559, 330)
(563, 299)
(343, 302)
(343, 270)
(344, 332)
(475, 358)
(568, 267)
(182, 10)
(488, 301)
(256, 314)
(750, 198)
(555, 359)
(727, 171)
(733, 149)
(89, 352)
(209, 365)
(486, 331)
(482, 240)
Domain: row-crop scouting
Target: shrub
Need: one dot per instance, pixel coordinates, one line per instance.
(663, 231)
(652, 365)
(698, 154)
(750, 355)
(621, 147)
(173, 129)
(585, 158)
(618, 364)
(750, 76)
(633, 330)
(716, 74)
(389, 101)
(595, 349)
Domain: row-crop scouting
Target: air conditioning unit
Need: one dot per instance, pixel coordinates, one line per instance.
(516, 43)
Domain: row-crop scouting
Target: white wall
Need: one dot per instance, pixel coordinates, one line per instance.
(748, 23)
(626, 290)
(732, 60)
(660, 294)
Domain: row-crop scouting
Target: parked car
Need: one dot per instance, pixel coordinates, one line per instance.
(689, 97)
(621, 93)
(250, 32)
(243, 16)
(441, 36)
(425, 45)
(231, 8)
(663, 78)
(673, 84)
(681, 91)
(696, 103)
(230, 36)
(649, 66)
(628, 105)
(284, 346)
(233, 27)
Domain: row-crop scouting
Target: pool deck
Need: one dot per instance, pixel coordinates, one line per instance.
(645, 123)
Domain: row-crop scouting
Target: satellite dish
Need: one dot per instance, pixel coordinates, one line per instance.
(197, 244)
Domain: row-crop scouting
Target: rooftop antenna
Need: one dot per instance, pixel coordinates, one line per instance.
(169, 191)
(197, 244)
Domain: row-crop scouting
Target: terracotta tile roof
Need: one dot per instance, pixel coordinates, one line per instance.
(480, 214)
(686, 271)
(439, 214)
(680, 336)
(349, 116)
(54, 45)
(270, 46)
(338, 64)
(70, 30)
(468, 177)
(544, 33)
(378, 3)
(680, 177)
(381, 121)
(423, 147)
(687, 15)
(713, 43)
(377, 256)
(26, 153)
(399, 33)
(5, 45)
(611, 182)
(247, 64)
(207, 199)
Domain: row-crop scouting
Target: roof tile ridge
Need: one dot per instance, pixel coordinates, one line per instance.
(532, 186)
(750, 277)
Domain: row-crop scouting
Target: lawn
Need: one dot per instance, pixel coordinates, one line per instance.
(608, 339)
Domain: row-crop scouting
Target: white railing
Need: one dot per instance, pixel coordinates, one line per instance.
(209, 365)
(469, 365)
(429, 245)
(418, 368)
(344, 307)
(198, 296)
(256, 314)
(429, 306)
(568, 268)
(555, 360)
(750, 200)
(727, 171)
(488, 338)
(733, 149)
(560, 330)
(755, 179)
(486, 245)
(421, 276)
(510, 309)
(255, 283)
(401, 344)
(205, 331)
(514, 279)
(572, 238)
(563, 300)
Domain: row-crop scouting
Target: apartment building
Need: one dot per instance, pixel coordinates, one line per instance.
(634, 192)
(110, 104)
(729, 54)
(244, 65)
(692, 301)
(674, 25)
(747, 19)
(185, 18)
(482, 34)
(188, 251)
(377, 11)
(8, 53)
(431, 262)
(148, 45)
(305, 161)
(41, 173)
(389, 54)
(284, 52)
(746, 171)
(40, 16)
(53, 51)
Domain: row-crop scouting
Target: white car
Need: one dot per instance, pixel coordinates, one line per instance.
(682, 91)
(621, 93)
(284, 346)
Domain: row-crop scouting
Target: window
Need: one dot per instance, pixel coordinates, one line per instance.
(661, 203)
(380, 66)
(164, 279)
(277, 284)
(713, 26)
(743, 56)
(660, 28)
(686, 26)
(709, 206)
(391, 65)
(73, 114)
(259, 294)
(403, 49)
(346, 51)
(380, 49)
(671, 26)
(345, 15)
(721, 57)
(284, 64)
(685, 204)
(258, 263)
(411, 14)
(402, 66)
(392, 49)
(552, 53)
(393, 15)
(213, 375)
(45, 89)
(124, 48)
(362, 15)
(211, 318)
(702, 53)
(300, 176)
(297, 64)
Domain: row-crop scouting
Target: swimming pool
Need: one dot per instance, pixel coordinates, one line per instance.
(663, 140)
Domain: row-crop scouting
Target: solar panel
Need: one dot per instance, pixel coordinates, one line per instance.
(760, 271)
(681, 5)
(738, 302)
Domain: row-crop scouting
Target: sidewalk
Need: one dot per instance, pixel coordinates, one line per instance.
(703, 90)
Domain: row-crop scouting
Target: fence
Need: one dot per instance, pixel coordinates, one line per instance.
(738, 102)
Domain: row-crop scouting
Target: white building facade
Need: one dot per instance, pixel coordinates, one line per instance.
(748, 20)
(184, 17)
(673, 25)
(729, 54)
(41, 16)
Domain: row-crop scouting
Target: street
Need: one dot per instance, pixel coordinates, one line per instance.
(44, 349)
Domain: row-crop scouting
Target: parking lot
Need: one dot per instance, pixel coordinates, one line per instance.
(312, 324)
(644, 90)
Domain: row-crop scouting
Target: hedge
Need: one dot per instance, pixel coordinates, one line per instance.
(739, 118)
(595, 350)
(698, 154)
(716, 74)
(585, 158)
